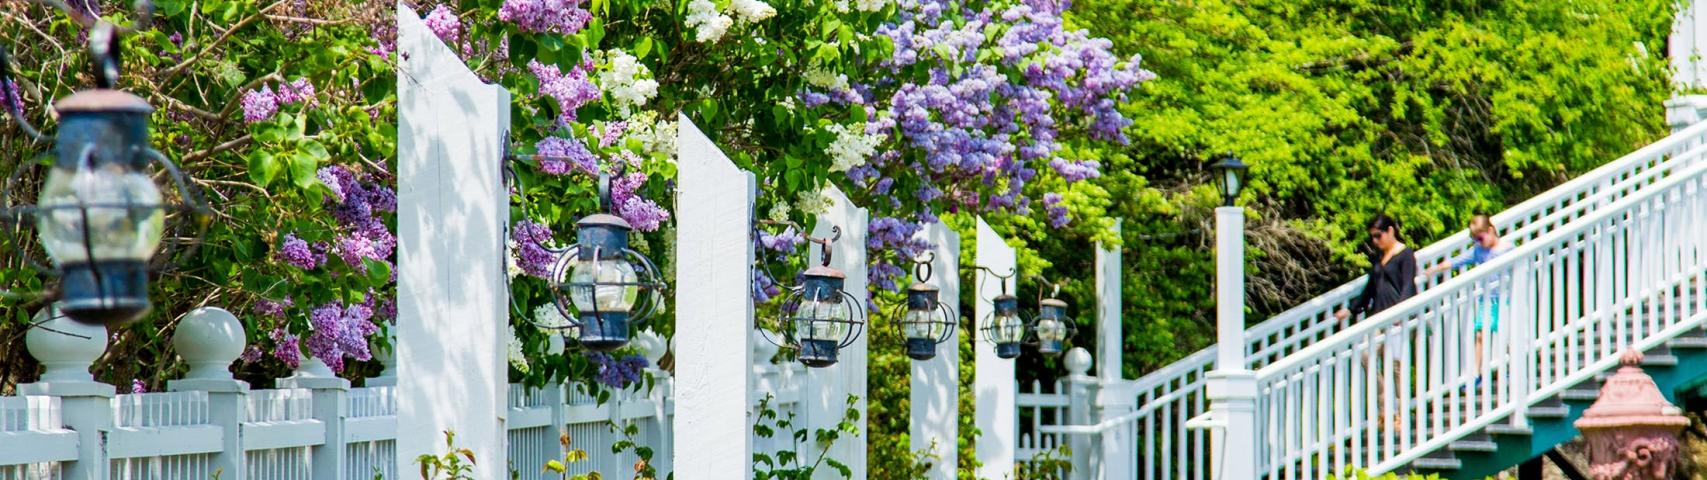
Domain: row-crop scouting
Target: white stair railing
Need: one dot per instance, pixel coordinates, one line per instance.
(1169, 397)
(1402, 384)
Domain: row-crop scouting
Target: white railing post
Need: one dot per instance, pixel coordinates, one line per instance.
(935, 397)
(67, 349)
(1082, 391)
(828, 388)
(1231, 387)
(714, 356)
(330, 408)
(453, 307)
(997, 413)
(209, 339)
(1117, 445)
(1110, 339)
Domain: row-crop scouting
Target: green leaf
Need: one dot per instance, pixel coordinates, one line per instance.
(302, 169)
(555, 466)
(378, 272)
(643, 47)
(263, 168)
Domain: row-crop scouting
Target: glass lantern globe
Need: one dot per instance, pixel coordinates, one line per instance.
(1004, 327)
(819, 317)
(1052, 327)
(925, 321)
(602, 285)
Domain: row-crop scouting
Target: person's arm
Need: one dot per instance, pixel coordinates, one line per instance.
(1361, 303)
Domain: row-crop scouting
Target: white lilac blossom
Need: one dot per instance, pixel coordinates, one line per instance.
(851, 148)
(518, 360)
(779, 211)
(709, 24)
(547, 316)
(627, 81)
(510, 265)
(826, 80)
(812, 202)
(752, 10)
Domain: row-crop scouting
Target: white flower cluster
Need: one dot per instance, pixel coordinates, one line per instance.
(510, 265)
(826, 80)
(627, 81)
(547, 316)
(812, 202)
(861, 5)
(517, 359)
(752, 10)
(708, 23)
(656, 135)
(779, 211)
(851, 147)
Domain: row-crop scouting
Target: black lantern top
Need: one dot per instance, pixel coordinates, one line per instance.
(1230, 178)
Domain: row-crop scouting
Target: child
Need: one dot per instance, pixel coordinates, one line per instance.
(1487, 246)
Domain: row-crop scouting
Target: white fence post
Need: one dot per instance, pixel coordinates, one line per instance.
(827, 388)
(714, 305)
(209, 339)
(994, 389)
(935, 398)
(1081, 410)
(451, 217)
(66, 349)
(1110, 339)
(330, 408)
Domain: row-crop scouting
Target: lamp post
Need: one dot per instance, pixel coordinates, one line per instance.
(98, 214)
(1231, 387)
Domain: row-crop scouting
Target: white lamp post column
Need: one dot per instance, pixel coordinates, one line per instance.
(1232, 387)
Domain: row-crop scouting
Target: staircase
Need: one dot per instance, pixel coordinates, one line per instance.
(1611, 259)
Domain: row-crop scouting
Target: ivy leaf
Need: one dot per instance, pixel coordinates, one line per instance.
(643, 47)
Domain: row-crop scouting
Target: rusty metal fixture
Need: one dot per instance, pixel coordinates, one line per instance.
(1632, 431)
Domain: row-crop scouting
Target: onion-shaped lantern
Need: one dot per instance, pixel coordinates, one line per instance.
(819, 317)
(98, 214)
(1052, 327)
(604, 287)
(924, 320)
(1005, 327)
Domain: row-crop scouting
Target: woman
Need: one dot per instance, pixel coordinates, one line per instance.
(1487, 246)
(1392, 279)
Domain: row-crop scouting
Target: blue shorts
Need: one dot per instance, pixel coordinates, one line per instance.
(1490, 314)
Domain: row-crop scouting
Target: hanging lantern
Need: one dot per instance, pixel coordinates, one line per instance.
(1004, 327)
(98, 214)
(603, 287)
(819, 317)
(924, 320)
(1052, 327)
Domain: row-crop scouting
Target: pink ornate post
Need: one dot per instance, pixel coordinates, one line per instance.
(1631, 430)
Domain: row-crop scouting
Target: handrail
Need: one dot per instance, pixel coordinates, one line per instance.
(1385, 318)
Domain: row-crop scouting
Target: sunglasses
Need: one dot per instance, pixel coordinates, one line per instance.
(1376, 234)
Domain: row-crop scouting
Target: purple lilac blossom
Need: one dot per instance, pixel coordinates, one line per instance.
(618, 373)
(445, 24)
(563, 17)
(259, 105)
(251, 354)
(136, 386)
(286, 349)
(531, 254)
(571, 90)
(788, 241)
(295, 251)
(14, 100)
(644, 215)
(274, 309)
(299, 91)
(560, 156)
(1057, 212)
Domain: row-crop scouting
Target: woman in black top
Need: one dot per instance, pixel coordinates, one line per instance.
(1392, 279)
(1392, 271)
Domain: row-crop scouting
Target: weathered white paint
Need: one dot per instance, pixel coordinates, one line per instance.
(827, 388)
(714, 305)
(935, 399)
(1110, 339)
(1687, 47)
(993, 386)
(452, 208)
